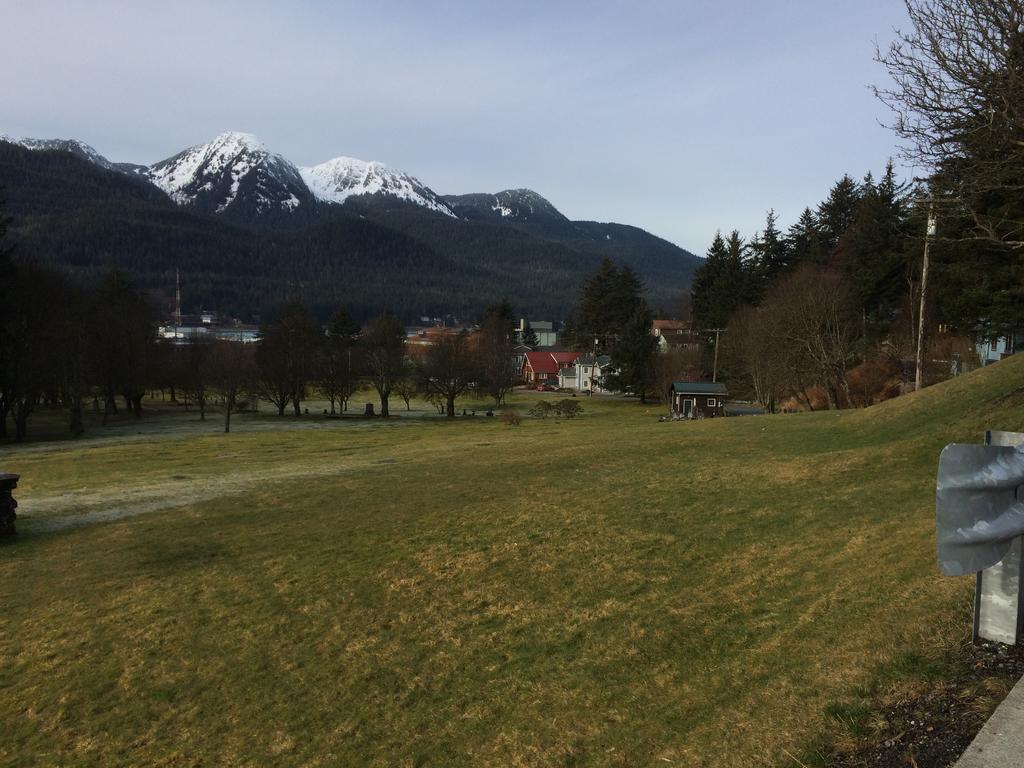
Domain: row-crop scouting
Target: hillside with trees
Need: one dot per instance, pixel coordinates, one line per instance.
(834, 305)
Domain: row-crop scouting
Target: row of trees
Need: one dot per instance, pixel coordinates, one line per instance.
(64, 346)
(801, 308)
(296, 355)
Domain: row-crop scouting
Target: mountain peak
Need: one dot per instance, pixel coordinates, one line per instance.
(238, 140)
(340, 178)
(512, 205)
(233, 172)
(74, 146)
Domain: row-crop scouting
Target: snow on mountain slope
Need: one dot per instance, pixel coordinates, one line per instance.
(525, 204)
(233, 172)
(343, 177)
(519, 205)
(75, 147)
(237, 175)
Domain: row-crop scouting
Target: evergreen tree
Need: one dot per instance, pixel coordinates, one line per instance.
(626, 296)
(6, 329)
(720, 284)
(594, 310)
(770, 254)
(873, 251)
(633, 357)
(804, 241)
(837, 212)
(702, 293)
(530, 336)
(607, 302)
(5, 222)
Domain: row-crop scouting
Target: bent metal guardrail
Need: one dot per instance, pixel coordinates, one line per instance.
(979, 522)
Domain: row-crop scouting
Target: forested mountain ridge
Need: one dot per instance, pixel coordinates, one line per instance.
(245, 235)
(510, 205)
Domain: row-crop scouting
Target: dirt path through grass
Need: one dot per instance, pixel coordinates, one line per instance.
(71, 510)
(109, 481)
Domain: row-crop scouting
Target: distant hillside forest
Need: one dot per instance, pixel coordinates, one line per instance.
(368, 255)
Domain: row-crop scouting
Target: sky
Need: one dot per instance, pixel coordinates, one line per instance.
(679, 117)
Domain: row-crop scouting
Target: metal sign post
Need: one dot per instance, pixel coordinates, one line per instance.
(980, 529)
(998, 598)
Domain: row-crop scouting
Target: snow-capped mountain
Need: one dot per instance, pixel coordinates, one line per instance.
(520, 205)
(236, 175)
(343, 177)
(235, 172)
(250, 228)
(75, 147)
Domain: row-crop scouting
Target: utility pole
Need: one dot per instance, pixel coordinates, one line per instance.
(929, 234)
(593, 370)
(714, 370)
(348, 381)
(177, 303)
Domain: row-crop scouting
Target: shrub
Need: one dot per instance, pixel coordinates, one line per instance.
(568, 408)
(542, 410)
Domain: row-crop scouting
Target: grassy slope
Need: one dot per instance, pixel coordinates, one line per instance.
(609, 591)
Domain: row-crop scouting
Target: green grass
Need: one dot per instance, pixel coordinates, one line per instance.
(602, 591)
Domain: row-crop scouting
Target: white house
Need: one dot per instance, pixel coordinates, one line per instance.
(585, 376)
(994, 350)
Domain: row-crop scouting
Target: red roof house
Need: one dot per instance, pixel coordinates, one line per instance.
(544, 366)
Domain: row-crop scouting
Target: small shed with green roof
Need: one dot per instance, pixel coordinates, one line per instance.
(698, 399)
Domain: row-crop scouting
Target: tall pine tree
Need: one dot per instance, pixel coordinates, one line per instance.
(633, 357)
(607, 302)
(873, 251)
(804, 240)
(837, 212)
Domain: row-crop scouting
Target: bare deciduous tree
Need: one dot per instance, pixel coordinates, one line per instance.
(383, 353)
(494, 352)
(406, 388)
(195, 373)
(813, 305)
(958, 100)
(802, 336)
(232, 371)
(448, 369)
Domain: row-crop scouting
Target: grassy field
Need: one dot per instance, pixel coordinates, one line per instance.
(603, 591)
